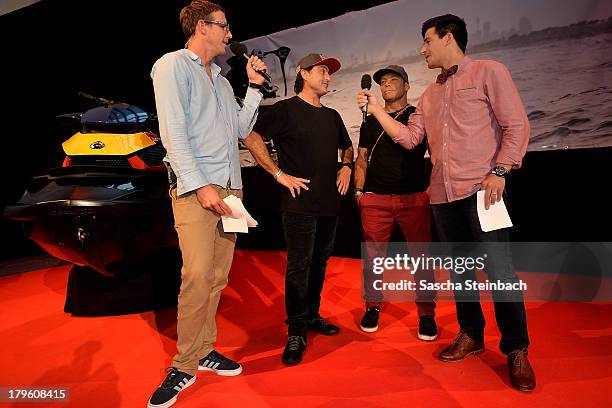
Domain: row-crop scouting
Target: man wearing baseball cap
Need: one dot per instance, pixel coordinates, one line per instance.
(307, 137)
(390, 185)
(478, 131)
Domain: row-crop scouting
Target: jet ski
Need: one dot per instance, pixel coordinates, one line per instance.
(107, 203)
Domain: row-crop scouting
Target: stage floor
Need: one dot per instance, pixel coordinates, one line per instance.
(119, 361)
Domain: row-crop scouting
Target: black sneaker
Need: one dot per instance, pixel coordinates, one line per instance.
(175, 382)
(428, 331)
(219, 364)
(293, 350)
(369, 321)
(320, 325)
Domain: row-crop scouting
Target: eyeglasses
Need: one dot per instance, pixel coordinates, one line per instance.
(222, 24)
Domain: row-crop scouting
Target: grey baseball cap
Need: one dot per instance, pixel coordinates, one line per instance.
(391, 69)
(318, 59)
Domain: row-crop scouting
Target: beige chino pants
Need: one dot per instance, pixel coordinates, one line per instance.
(207, 254)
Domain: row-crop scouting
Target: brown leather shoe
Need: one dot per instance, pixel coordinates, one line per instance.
(522, 376)
(462, 347)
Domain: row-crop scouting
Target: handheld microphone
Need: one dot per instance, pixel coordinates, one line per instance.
(240, 50)
(366, 84)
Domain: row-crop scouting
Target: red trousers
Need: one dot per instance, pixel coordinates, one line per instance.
(379, 213)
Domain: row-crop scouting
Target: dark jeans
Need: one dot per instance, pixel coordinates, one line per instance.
(457, 223)
(310, 240)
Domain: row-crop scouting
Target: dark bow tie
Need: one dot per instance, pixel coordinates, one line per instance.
(446, 73)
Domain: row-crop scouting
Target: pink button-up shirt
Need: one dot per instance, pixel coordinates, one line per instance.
(471, 122)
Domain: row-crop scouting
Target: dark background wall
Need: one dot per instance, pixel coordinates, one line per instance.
(552, 198)
(54, 49)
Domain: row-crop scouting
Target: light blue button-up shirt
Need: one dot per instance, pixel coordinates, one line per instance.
(200, 121)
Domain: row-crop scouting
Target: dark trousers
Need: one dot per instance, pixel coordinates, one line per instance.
(310, 240)
(457, 223)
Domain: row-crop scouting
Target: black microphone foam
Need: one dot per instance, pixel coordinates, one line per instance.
(366, 83)
(240, 50)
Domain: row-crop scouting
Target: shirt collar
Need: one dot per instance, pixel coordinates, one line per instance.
(215, 69)
(464, 62)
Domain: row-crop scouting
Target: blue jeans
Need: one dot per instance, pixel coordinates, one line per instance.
(457, 223)
(310, 240)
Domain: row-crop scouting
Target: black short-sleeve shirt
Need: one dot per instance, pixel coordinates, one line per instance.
(307, 139)
(393, 169)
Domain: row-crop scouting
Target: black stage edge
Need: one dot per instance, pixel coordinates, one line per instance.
(150, 284)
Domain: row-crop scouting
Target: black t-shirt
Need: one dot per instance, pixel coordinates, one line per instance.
(393, 169)
(307, 139)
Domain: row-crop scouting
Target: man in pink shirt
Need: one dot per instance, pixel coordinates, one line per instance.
(477, 131)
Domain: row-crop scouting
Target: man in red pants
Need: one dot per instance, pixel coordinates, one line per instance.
(390, 184)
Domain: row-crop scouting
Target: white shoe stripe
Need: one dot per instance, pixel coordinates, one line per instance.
(216, 365)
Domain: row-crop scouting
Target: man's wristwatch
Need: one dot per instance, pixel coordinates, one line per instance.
(500, 171)
(255, 86)
(349, 165)
(358, 192)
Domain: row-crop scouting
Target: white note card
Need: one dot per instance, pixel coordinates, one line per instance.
(240, 220)
(496, 217)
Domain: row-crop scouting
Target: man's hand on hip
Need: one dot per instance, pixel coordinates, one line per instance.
(294, 184)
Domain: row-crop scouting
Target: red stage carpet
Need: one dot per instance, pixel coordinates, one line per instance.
(118, 361)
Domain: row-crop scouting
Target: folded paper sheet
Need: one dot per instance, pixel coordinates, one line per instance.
(240, 220)
(496, 217)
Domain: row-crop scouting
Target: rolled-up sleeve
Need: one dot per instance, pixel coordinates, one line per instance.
(247, 115)
(411, 134)
(510, 114)
(171, 85)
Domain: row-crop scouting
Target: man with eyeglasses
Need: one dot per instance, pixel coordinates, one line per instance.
(223, 24)
(200, 123)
